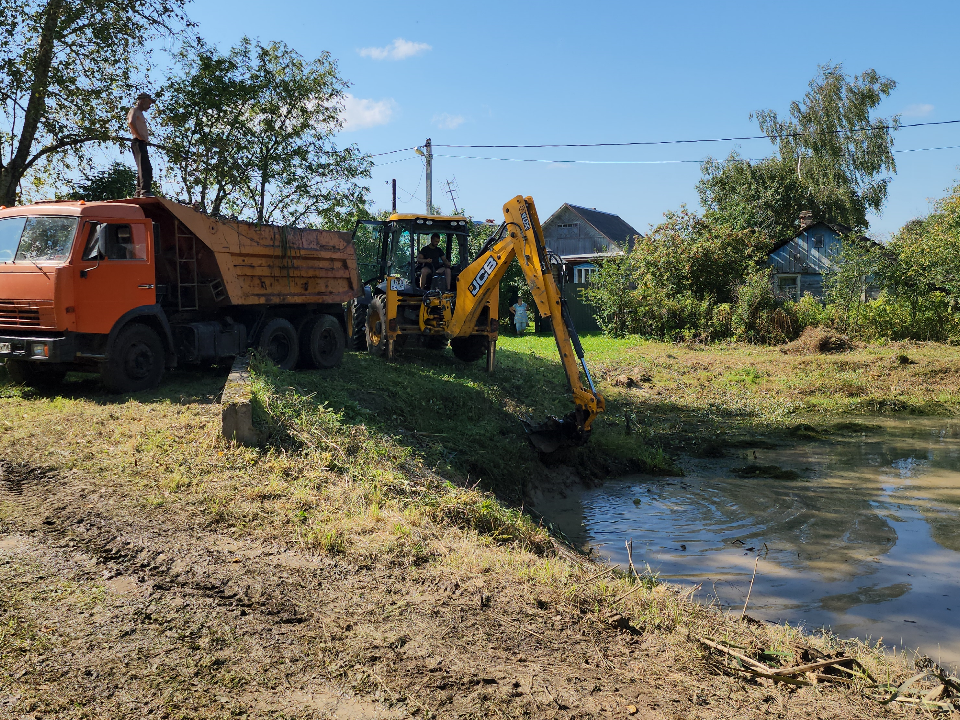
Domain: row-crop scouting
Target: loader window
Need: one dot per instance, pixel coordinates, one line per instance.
(37, 239)
(401, 260)
(367, 243)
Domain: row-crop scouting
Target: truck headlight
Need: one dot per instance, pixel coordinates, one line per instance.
(39, 350)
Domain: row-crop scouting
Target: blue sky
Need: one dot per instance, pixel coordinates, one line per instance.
(562, 72)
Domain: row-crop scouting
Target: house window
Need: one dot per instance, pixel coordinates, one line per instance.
(568, 230)
(583, 273)
(789, 286)
(818, 241)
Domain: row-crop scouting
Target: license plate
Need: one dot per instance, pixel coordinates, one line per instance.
(6, 348)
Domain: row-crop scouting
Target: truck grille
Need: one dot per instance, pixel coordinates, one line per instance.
(26, 314)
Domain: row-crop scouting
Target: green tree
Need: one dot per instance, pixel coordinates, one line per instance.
(202, 120)
(114, 183)
(251, 134)
(68, 73)
(674, 276)
(831, 158)
(845, 283)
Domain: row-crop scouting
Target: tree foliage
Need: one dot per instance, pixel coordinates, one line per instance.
(674, 277)
(68, 73)
(116, 182)
(832, 156)
(250, 133)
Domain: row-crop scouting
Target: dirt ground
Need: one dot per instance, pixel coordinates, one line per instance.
(112, 609)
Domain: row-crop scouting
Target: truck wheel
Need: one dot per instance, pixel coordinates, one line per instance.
(278, 341)
(322, 343)
(376, 326)
(136, 361)
(469, 349)
(356, 326)
(34, 375)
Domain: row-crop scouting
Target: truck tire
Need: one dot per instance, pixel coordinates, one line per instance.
(136, 360)
(278, 341)
(376, 327)
(33, 374)
(469, 349)
(322, 342)
(356, 326)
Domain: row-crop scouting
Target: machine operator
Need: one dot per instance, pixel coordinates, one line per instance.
(431, 260)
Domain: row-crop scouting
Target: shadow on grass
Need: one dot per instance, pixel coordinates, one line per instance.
(198, 386)
(461, 420)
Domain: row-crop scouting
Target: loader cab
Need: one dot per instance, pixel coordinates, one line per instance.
(390, 247)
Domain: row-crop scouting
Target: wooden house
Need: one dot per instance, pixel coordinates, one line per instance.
(799, 263)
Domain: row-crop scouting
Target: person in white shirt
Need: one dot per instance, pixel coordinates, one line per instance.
(519, 312)
(141, 136)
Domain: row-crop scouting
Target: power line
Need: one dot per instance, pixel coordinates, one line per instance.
(391, 152)
(701, 140)
(579, 162)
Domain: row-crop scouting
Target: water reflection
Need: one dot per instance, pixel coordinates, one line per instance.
(866, 540)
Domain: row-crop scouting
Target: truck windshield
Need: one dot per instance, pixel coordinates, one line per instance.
(45, 238)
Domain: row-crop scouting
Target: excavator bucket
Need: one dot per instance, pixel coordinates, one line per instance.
(556, 433)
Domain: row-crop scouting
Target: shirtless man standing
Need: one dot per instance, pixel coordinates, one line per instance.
(141, 134)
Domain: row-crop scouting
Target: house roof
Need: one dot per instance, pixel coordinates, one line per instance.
(611, 226)
(838, 228)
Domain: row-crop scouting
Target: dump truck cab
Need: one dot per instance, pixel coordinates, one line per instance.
(69, 271)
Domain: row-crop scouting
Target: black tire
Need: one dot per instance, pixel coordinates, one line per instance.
(136, 361)
(322, 342)
(278, 341)
(34, 375)
(376, 327)
(356, 316)
(469, 349)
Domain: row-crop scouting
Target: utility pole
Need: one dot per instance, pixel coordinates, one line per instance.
(429, 160)
(393, 205)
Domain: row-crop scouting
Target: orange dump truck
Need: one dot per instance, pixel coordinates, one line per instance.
(128, 288)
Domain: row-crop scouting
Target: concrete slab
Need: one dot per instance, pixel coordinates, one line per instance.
(237, 405)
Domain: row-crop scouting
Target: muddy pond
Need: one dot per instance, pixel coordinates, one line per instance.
(860, 533)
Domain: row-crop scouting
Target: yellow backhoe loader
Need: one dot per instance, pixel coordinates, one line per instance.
(395, 311)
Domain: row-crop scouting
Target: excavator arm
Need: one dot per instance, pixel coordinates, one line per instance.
(521, 237)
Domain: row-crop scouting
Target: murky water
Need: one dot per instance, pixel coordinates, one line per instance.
(865, 541)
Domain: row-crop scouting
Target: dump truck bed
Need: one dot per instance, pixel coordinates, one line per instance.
(257, 264)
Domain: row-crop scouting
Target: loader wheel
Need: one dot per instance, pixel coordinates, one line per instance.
(469, 349)
(356, 326)
(135, 362)
(322, 343)
(376, 327)
(278, 341)
(33, 374)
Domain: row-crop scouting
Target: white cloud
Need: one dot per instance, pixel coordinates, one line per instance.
(446, 121)
(918, 110)
(359, 113)
(399, 49)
